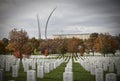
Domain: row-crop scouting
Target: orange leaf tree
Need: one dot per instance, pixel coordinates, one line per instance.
(17, 40)
(106, 44)
(73, 45)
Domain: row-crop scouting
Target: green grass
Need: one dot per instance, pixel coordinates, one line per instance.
(80, 74)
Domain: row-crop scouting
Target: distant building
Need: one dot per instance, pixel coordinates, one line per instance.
(80, 36)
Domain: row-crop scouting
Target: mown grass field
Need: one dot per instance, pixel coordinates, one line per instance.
(80, 74)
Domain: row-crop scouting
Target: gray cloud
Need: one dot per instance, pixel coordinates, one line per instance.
(71, 16)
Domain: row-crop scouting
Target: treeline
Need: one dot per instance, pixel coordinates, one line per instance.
(20, 44)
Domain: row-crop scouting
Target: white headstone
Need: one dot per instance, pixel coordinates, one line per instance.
(68, 69)
(117, 65)
(3, 63)
(14, 71)
(110, 77)
(105, 67)
(68, 76)
(111, 67)
(18, 63)
(33, 65)
(7, 68)
(31, 75)
(92, 71)
(99, 74)
(26, 66)
(40, 71)
(1, 74)
(52, 66)
(47, 68)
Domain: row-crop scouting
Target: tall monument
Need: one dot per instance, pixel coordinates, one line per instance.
(39, 32)
(47, 23)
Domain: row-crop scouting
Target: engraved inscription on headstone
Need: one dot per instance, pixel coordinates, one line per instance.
(31, 75)
(99, 74)
(68, 76)
(14, 71)
(110, 77)
(40, 71)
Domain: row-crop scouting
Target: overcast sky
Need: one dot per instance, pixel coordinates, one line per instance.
(70, 17)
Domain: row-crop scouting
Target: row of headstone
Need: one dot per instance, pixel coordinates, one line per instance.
(42, 68)
(34, 62)
(68, 74)
(43, 65)
(108, 64)
(75, 60)
(67, 59)
(43, 56)
(7, 61)
(97, 65)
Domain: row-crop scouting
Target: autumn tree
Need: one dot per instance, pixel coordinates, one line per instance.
(52, 46)
(105, 44)
(34, 43)
(42, 46)
(26, 49)
(10, 47)
(62, 46)
(49, 45)
(81, 49)
(73, 45)
(2, 45)
(17, 41)
(89, 43)
(118, 40)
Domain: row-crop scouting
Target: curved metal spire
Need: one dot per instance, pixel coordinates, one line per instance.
(39, 32)
(47, 22)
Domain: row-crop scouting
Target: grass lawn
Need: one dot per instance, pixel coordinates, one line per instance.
(80, 74)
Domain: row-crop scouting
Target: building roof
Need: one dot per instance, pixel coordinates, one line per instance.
(70, 34)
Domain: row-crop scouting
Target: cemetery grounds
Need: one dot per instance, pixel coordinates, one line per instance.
(80, 67)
